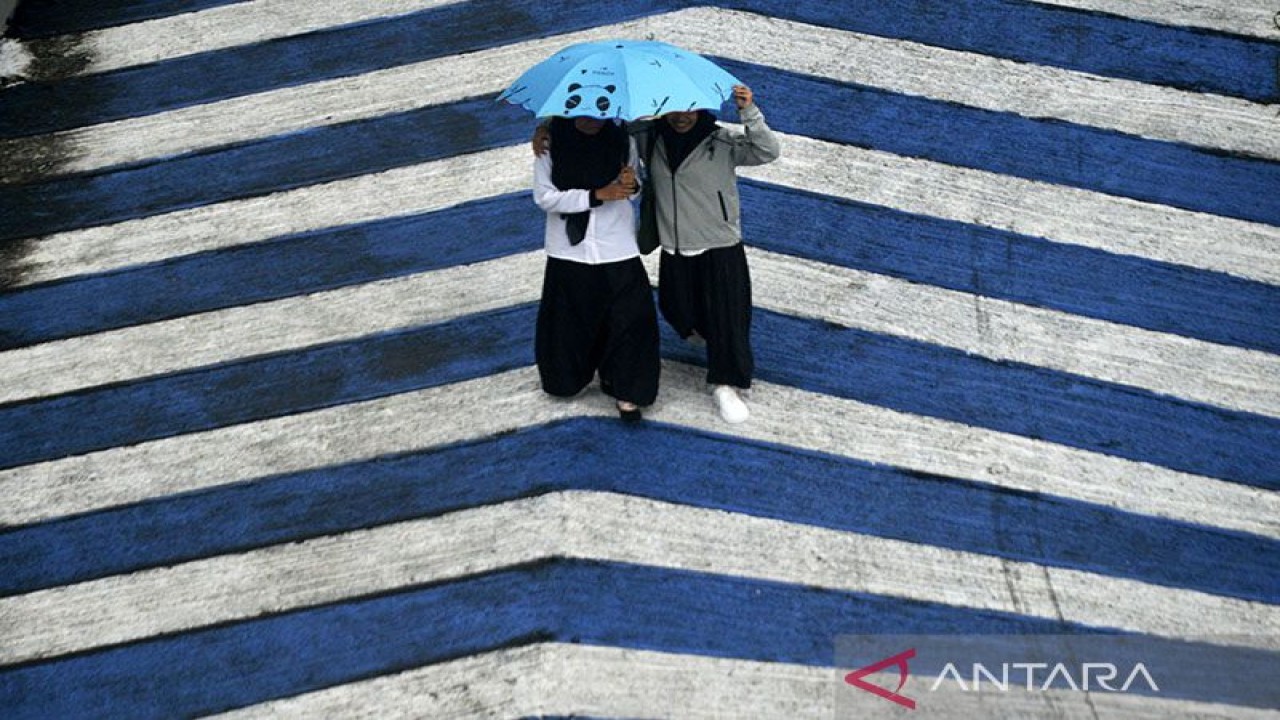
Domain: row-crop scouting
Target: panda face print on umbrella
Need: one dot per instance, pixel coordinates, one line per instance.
(622, 79)
(602, 94)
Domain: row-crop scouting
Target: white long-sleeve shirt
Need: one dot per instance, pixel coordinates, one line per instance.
(611, 231)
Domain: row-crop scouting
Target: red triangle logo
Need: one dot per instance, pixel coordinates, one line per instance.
(900, 660)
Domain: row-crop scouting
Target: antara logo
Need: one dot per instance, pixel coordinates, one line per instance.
(900, 660)
(1092, 677)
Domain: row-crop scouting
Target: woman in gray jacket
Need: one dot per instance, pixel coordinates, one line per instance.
(704, 286)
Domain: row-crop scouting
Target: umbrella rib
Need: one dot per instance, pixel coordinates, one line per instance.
(624, 98)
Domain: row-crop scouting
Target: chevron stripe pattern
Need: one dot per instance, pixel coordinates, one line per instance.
(272, 445)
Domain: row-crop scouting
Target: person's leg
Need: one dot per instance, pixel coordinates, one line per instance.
(728, 317)
(726, 314)
(678, 291)
(630, 366)
(569, 317)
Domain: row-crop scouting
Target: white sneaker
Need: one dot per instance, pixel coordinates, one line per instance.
(732, 408)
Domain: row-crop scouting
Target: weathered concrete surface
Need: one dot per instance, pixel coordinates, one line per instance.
(269, 478)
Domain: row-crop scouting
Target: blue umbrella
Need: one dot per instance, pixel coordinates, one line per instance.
(624, 79)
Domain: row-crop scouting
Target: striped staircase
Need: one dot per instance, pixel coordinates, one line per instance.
(271, 442)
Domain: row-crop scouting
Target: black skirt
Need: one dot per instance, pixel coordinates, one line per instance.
(598, 318)
(710, 294)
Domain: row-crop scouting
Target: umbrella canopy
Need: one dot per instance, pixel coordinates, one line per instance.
(624, 79)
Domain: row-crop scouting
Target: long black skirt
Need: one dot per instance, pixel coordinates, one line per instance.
(598, 318)
(710, 294)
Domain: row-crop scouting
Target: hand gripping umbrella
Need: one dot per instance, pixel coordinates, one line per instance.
(623, 79)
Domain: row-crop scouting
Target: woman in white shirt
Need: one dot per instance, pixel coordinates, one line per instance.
(596, 312)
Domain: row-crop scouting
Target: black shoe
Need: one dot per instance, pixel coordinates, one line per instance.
(631, 415)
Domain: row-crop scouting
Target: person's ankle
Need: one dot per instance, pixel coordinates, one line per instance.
(628, 411)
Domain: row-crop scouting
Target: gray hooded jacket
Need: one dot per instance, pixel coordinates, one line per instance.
(697, 205)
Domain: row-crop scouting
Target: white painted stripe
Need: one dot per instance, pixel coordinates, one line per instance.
(291, 109)
(289, 324)
(218, 28)
(556, 679)
(258, 21)
(1221, 375)
(393, 193)
(964, 78)
(15, 59)
(982, 81)
(1239, 17)
(1164, 363)
(1054, 212)
(512, 400)
(561, 680)
(606, 527)
(277, 579)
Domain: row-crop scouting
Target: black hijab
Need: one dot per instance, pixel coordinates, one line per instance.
(678, 144)
(585, 162)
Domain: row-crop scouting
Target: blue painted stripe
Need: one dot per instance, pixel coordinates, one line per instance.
(1188, 58)
(818, 356)
(285, 267)
(1057, 152)
(270, 386)
(1009, 397)
(45, 19)
(216, 670)
(286, 62)
(1029, 270)
(589, 603)
(1050, 151)
(282, 163)
(954, 255)
(581, 454)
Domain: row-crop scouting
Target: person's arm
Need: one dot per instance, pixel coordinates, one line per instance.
(757, 144)
(552, 199)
